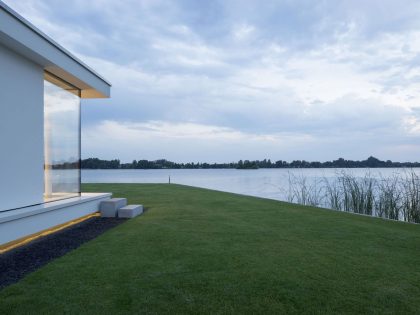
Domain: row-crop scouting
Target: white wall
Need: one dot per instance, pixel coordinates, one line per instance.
(21, 131)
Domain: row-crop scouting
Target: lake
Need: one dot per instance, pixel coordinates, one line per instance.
(266, 183)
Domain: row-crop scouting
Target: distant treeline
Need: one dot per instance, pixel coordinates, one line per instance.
(371, 162)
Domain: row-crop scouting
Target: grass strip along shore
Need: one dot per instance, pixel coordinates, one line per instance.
(202, 251)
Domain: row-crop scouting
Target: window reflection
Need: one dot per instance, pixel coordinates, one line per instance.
(61, 139)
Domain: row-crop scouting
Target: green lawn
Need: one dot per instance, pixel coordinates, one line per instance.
(201, 251)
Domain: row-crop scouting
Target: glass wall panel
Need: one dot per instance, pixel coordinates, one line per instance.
(61, 139)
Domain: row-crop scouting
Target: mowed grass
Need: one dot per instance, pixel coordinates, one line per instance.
(202, 251)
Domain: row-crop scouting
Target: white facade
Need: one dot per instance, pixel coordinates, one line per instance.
(21, 131)
(28, 59)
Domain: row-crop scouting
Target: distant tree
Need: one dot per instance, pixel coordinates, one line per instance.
(95, 163)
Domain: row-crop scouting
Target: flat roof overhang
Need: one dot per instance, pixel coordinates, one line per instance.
(21, 36)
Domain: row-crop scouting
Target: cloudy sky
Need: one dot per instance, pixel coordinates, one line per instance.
(227, 80)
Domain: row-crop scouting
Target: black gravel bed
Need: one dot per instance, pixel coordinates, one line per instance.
(18, 262)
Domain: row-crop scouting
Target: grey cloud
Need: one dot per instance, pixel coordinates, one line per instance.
(179, 61)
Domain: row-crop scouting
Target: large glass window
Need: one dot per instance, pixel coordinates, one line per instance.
(61, 139)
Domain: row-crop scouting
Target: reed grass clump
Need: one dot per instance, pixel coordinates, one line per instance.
(395, 197)
(305, 192)
(411, 198)
(388, 203)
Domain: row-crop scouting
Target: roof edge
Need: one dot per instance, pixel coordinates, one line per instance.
(34, 29)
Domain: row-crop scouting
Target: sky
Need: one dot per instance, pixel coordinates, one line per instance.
(223, 80)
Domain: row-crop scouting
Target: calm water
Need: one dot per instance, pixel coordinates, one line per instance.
(267, 183)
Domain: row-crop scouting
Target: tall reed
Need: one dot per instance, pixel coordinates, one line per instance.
(357, 193)
(303, 191)
(396, 197)
(333, 196)
(389, 197)
(411, 201)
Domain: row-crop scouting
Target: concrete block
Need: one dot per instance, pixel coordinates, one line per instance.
(110, 207)
(130, 211)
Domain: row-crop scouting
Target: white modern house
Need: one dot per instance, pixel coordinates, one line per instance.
(41, 87)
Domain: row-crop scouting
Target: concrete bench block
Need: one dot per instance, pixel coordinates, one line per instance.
(130, 211)
(110, 207)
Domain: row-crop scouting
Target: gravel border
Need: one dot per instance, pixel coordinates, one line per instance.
(17, 263)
